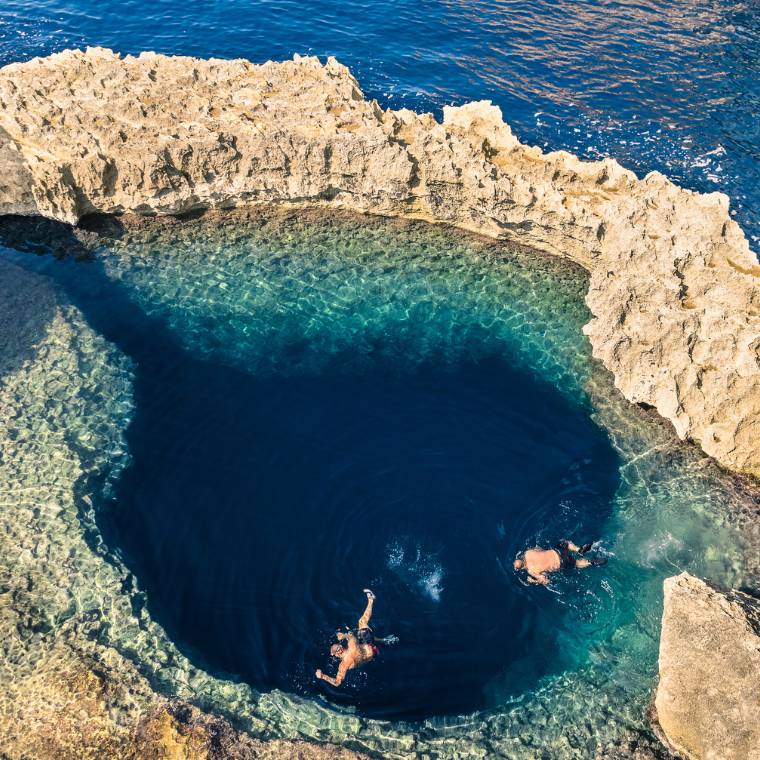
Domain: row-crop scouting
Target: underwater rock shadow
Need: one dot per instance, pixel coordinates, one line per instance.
(43, 237)
(28, 304)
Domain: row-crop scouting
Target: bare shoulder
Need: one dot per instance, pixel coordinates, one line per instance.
(366, 653)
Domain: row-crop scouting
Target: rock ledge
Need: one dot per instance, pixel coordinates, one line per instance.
(673, 289)
(708, 702)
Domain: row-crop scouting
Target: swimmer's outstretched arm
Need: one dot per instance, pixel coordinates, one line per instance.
(539, 579)
(339, 677)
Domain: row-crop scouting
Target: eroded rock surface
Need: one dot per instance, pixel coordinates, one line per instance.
(673, 289)
(708, 701)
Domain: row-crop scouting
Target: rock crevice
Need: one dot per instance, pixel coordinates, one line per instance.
(674, 286)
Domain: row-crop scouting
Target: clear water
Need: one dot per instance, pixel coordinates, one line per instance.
(668, 86)
(322, 404)
(320, 409)
(655, 86)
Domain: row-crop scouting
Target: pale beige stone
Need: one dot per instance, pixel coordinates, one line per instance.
(708, 700)
(674, 286)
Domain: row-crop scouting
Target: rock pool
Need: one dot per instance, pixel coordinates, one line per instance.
(273, 409)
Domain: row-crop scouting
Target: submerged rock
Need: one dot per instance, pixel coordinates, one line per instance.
(91, 703)
(708, 701)
(179, 730)
(673, 289)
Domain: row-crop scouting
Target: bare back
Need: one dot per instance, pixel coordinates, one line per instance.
(539, 561)
(358, 654)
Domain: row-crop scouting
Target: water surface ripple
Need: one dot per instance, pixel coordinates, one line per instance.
(421, 403)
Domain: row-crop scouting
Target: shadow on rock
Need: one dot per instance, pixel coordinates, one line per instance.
(28, 301)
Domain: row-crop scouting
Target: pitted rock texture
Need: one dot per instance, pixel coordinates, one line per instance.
(83, 700)
(708, 702)
(674, 287)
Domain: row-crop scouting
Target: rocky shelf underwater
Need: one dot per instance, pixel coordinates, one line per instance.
(74, 606)
(85, 662)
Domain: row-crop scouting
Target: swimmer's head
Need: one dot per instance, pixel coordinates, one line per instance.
(336, 650)
(518, 564)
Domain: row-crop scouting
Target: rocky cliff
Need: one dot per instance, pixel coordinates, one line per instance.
(673, 289)
(708, 701)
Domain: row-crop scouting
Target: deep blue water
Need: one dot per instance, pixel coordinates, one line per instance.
(263, 496)
(669, 86)
(258, 510)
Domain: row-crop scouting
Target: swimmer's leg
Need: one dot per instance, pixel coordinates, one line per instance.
(579, 549)
(593, 562)
(365, 618)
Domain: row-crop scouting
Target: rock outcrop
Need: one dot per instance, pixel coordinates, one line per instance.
(708, 701)
(674, 290)
(80, 703)
(674, 286)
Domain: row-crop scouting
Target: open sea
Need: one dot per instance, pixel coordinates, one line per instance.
(666, 86)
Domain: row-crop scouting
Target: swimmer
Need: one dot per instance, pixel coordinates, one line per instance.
(360, 648)
(538, 562)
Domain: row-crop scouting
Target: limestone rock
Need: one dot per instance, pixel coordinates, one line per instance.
(82, 701)
(178, 731)
(674, 287)
(708, 700)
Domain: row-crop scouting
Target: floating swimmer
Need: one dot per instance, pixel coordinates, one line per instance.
(360, 648)
(539, 561)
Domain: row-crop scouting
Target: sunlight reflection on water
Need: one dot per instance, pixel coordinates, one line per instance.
(659, 86)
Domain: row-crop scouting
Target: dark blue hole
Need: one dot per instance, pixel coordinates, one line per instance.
(256, 509)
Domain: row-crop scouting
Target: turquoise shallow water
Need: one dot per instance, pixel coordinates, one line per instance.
(289, 304)
(316, 412)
